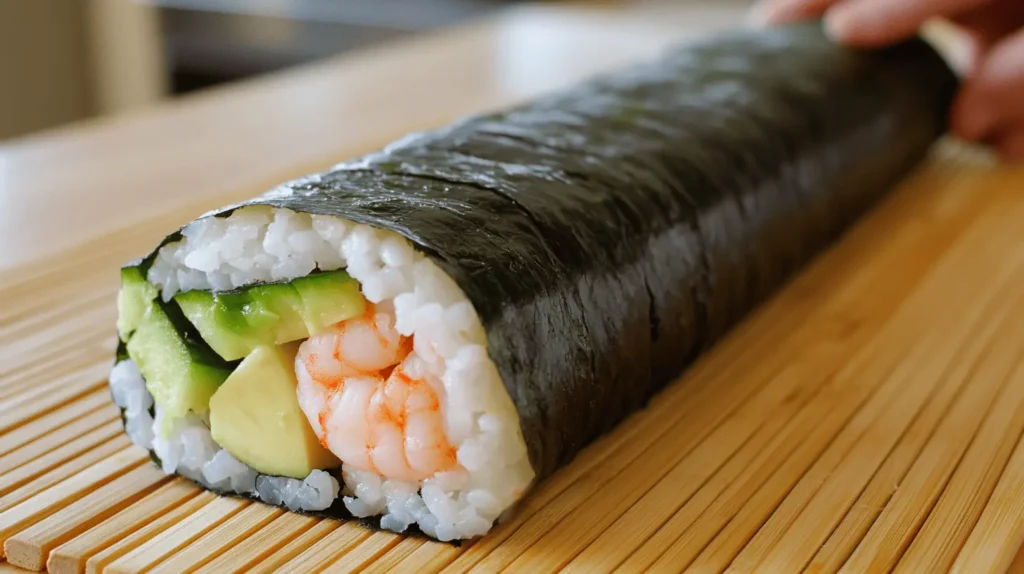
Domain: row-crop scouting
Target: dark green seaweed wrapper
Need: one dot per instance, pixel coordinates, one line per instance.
(610, 233)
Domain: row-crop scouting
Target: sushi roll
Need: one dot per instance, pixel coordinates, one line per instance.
(417, 336)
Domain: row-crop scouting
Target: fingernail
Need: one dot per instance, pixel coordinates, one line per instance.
(759, 14)
(766, 12)
(837, 25)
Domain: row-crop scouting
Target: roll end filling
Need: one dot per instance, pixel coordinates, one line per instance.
(297, 358)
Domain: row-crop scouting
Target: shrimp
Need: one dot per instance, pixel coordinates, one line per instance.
(407, 439)
(364, 345)
(371, 401)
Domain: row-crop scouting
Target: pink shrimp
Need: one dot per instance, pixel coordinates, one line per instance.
(369, 412)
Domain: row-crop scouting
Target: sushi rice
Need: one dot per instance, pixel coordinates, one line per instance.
(264, 244)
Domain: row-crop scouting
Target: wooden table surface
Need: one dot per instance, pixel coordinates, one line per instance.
(868, 417)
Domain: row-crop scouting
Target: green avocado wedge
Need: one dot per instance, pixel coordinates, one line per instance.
(255, 415)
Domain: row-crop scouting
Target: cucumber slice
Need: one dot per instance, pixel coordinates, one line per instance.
(133, 299)
(223, 322)
(180, 370)
(236, 323)
(329, 298)
(282, 300)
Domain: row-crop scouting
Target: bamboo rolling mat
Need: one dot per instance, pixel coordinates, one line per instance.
(867, 418)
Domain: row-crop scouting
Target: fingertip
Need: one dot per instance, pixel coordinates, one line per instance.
(971, 126)
(852, 28)
(990, 98)
(759, 14)
(871, 23)
(971, 119)
(775, 12)
(767, 13)
(837, 26)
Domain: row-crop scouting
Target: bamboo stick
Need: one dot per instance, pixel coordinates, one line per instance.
(289, 550)
(177, 536)
(25, 472)
(326, 550)
(145, 531)
(356, 559)
(269, 539)
(57, 312)
(58, 437)
(43, 482)
(944, 532)
(71, 556)
(29, 347)
(234, 530)
(389, 561)
(60, 495)
(55, 419)
(429, 557)
(31, 547)
(44, 393)
(995, 543)
(79, 354)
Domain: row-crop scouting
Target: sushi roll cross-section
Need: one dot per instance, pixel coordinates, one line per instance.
(275, 347)
(418, 336)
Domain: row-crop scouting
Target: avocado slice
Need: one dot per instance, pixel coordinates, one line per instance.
(255, 415)
(235, 323)
(133, 299)
(181, 372)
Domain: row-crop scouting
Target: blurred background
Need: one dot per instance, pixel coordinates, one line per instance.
(64, 60)
(68, 60)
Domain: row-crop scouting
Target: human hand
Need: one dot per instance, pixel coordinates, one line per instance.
(990, 105)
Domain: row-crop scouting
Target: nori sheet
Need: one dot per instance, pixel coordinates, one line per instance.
(610, 233)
